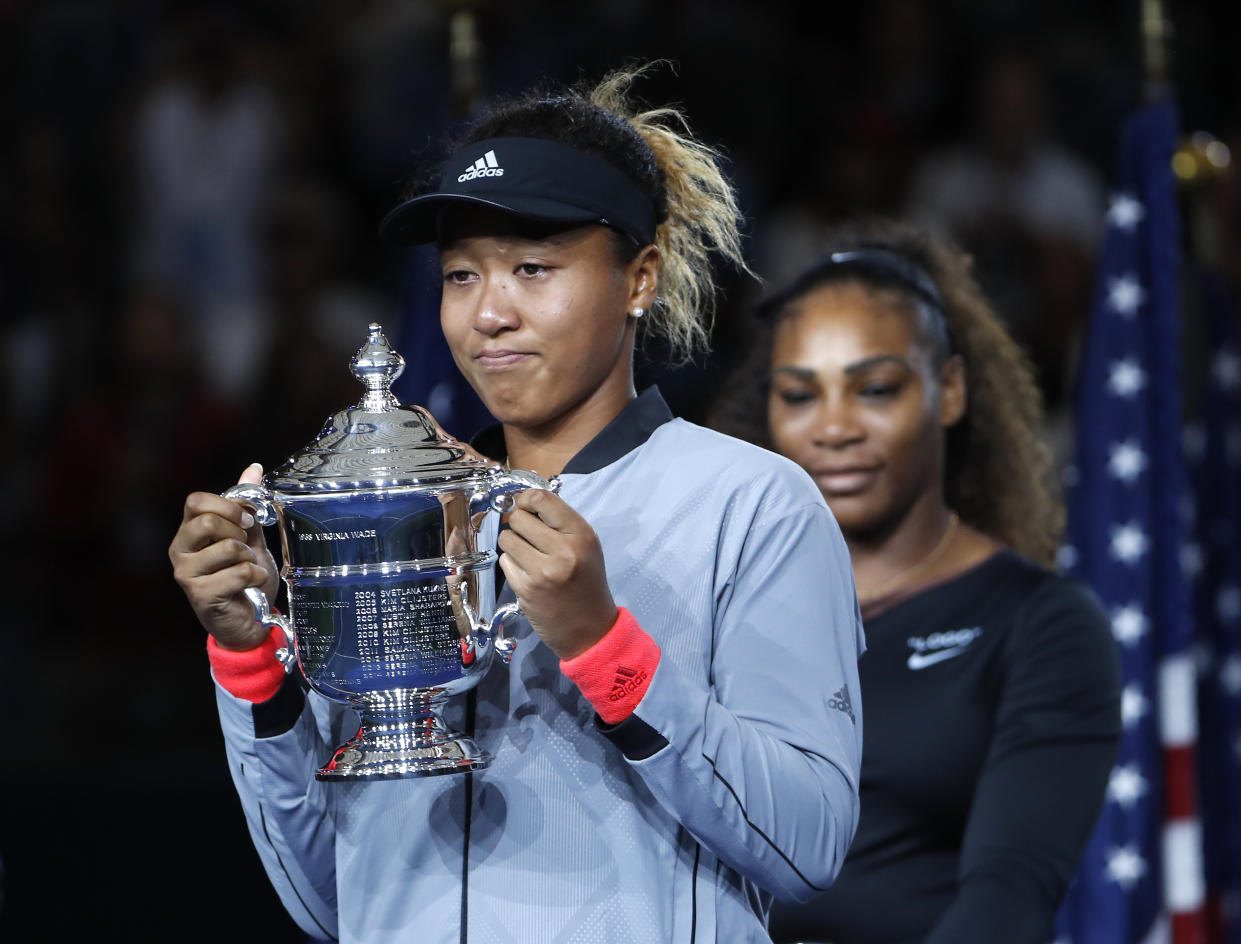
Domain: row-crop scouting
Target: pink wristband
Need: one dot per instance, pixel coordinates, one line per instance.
(615, 672)
(254, 675)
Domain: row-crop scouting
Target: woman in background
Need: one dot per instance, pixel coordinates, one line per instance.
(991, 683)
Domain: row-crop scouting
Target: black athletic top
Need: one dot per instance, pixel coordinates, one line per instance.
(992, 720)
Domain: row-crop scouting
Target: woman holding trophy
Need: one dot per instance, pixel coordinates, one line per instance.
(677, 739)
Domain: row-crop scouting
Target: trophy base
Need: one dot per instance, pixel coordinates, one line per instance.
(397, 750)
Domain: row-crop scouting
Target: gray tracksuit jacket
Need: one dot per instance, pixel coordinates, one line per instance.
(735, 779)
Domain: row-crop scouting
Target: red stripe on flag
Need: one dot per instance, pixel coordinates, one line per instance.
(1188, 928)
(1181, 813)
(1183, 870)
(1179, 794)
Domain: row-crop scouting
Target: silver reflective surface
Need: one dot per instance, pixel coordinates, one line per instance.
(379, 522)
(376, 443)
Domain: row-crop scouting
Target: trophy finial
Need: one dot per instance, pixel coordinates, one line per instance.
(377, 366)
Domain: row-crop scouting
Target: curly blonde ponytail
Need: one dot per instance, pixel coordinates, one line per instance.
(702, 215)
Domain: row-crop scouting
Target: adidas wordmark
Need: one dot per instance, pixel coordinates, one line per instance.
(485, 166)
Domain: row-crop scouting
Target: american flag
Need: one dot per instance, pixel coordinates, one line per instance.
(1213, 564)
(1141, 878)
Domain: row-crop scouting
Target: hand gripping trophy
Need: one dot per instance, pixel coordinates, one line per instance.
(380, 519)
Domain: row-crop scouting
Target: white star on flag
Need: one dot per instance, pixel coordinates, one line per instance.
(1133, 705)
(1125, 378)
(1226, 370)
(1125, 295)
(1126, 461)
(1066, 557)
(1124, 212)
(1191, 560)
(1128, 624)
(1125, 866)
(1126, 785)
(1129, 543)
(1230, 675)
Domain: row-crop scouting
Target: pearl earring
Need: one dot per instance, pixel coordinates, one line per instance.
(638, 312)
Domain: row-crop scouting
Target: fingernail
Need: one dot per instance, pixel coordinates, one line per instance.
(247, 520)
(258, 466)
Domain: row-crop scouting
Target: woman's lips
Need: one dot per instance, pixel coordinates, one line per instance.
(499, 360)
(845, 480)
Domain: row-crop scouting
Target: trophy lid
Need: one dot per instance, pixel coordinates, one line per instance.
(377, 443)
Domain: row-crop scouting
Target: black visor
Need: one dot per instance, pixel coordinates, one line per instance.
(533, 179)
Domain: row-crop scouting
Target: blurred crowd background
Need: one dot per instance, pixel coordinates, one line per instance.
(189, 195)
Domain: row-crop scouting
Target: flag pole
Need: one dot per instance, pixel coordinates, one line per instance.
(1156, 48)
(465, 53)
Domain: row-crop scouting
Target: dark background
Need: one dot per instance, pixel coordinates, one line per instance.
(188, 202)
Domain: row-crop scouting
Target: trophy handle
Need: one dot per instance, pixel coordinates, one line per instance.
(497, 494)
(491, 632)
(505, 645)
(258, 499)
(502, 485)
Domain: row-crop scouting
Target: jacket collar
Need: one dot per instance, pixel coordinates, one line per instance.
(631, 428)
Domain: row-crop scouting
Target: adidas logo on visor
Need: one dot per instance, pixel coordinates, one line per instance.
(485, 166)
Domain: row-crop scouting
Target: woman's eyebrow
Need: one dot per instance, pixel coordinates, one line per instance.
(807, 374)
(799, 373)
(869, 362)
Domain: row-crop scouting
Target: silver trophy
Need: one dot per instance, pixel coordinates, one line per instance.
(379, 524)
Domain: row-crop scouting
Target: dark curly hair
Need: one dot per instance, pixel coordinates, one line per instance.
(997, 469)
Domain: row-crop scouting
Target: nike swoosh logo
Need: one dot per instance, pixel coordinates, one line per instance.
(920, 660)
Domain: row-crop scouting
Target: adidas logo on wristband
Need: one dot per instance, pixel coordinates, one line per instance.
(627, 680)
(485, 166)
